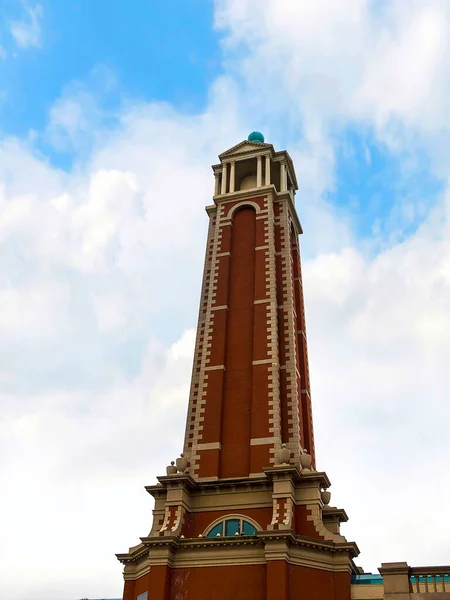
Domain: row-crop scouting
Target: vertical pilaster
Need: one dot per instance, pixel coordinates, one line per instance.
(307, 434)
(128, 590)
(288, 355)
(159, 582)
(277, 574)
(273, 341)
(277, 580)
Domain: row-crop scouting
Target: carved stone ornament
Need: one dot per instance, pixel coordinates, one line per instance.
(285, 455)
(326, 496)
(171, 469)
(305, 460)
(182, 463)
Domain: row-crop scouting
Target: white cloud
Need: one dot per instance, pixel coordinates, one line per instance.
(86, 454)
(379, 333)
(77, 117)
(390, 63)
(27, 33)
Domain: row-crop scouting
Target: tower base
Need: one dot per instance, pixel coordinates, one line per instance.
(295, 551)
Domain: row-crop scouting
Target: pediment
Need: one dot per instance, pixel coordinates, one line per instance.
(244, 147)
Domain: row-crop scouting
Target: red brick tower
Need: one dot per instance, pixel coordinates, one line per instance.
(244, 514)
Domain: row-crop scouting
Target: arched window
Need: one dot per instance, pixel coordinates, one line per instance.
(231, 527)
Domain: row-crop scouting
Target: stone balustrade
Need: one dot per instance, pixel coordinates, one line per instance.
(425, 580)
(399, 581)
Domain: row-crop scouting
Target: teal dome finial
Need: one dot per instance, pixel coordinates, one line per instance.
(256, 136)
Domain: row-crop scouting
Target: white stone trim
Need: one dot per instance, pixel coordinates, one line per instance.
(209, 446)
(263, 361)
(249, 203)
(273, 377)
(287, 314)
(209, 297)
(316, 517)
(262, 441)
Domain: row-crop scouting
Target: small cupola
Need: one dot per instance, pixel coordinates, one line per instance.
(253, 164)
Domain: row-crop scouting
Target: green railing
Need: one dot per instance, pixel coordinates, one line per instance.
(367, 579)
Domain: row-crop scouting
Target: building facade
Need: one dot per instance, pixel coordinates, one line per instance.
(243, 513)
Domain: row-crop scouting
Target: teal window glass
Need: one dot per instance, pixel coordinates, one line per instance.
(232, 526)
(215, 530)
(248, 528)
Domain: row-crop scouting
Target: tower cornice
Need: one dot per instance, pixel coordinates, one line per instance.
(261, 539)
(247, 147)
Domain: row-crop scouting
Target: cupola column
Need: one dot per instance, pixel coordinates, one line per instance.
(232, 177)
(224, 179)
(216, 184)
(283, 177)
(267, 182)
(258, 171)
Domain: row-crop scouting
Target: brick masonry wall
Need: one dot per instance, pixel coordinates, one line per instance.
(250, 383)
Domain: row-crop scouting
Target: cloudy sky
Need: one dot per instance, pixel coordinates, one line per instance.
(111, 113)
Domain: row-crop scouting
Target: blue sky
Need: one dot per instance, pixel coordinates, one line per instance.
(111, 114)
(153, 51)
(371, 181)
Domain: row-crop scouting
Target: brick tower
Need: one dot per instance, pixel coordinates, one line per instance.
(244, 515)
